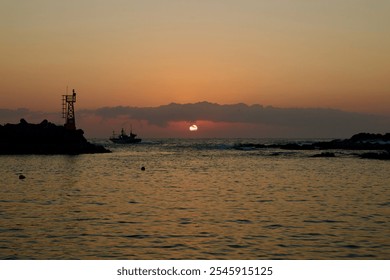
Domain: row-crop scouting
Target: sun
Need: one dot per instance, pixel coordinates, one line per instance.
(193, 127)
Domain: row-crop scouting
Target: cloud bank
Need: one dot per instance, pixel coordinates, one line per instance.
(278, 122)
(307, 121)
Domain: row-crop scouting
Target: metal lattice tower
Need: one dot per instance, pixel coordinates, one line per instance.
(68, 110)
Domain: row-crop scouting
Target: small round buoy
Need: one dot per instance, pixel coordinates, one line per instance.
(21, 177)
(143, 168)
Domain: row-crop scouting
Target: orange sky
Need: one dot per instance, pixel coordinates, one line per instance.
(333, 54)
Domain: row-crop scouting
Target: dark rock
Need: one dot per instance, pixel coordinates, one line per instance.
(361, 141)
(44, 138)
(324, 154)
(364, 137)
(373, 155)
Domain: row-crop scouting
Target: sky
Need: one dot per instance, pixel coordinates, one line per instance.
(301, 54)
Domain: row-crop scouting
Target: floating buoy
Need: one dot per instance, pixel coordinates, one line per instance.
(22, 177)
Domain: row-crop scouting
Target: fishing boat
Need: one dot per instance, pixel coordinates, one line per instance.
(124, 138)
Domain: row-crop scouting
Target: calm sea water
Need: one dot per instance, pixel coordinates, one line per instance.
(197, 199)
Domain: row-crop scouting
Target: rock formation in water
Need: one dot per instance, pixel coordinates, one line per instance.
(377, 155)
(361, 141)
(324, 155)
(377, 144)
(44, 138)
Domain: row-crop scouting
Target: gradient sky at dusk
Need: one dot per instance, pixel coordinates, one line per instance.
(303, 53)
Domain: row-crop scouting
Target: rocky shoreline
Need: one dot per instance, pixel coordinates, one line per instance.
(44, 138)
(376, 145)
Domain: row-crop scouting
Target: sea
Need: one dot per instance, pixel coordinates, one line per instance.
(194, 199)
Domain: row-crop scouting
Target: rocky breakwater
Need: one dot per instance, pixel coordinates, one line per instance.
(44, 138)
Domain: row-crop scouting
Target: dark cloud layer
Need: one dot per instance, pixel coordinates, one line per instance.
(317, 122)
(13, 116)
(329, 121)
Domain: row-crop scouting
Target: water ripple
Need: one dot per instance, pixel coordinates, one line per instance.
(195, 201)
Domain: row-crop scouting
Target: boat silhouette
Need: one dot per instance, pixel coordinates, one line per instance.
(124, 138)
